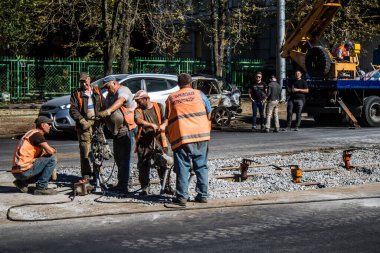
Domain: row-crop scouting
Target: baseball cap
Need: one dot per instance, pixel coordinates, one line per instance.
(108, 79)
(43, 119)
(141, 94)
(83, 76)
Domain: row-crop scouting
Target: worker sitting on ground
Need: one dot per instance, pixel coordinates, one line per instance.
(34, 159)
(343, 50)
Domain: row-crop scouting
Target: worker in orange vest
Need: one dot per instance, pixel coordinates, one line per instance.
(343, 50)
(188, 124)
(120, 121)
(85, 104)
(149, 139)
(34, 159)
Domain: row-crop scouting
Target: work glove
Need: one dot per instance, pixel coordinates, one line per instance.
(85, 124)
(103, 114)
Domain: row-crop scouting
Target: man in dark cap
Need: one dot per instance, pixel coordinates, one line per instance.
(34, 159)
(85, 103)
(120, 121)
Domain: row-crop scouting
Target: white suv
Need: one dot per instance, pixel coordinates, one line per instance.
(158, 86)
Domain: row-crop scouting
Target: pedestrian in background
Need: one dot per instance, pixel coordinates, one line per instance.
(188, 126)
(149, 116)
(34, 159)
(85, 103)
(296, 102)
(274, 94)
(120, 121)
(257, 92)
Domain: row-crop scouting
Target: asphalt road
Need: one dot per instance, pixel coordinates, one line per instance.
(332, 226)
(228, 144)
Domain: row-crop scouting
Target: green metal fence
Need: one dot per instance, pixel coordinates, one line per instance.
(43, 79)
(241, 72)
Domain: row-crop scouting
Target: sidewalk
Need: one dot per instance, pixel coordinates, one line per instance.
(97, 205)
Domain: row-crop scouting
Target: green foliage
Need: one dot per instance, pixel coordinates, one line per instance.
(165, 25)
(356, 21)
(19, 25)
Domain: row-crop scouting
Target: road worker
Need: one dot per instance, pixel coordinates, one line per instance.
(34, 159)
(188, 124)
(85, 104)
(120, 121)
(343, 50)
(149, 139)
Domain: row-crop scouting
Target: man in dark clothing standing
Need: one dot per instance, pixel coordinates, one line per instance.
(274, 93)
(257, 93)
(297, 91)
(85, 103)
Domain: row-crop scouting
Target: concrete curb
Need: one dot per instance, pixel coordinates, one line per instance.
(88, 207)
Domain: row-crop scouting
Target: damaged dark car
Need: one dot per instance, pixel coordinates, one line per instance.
(224, 98)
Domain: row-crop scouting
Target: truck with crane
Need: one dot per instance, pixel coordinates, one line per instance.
(336, 87)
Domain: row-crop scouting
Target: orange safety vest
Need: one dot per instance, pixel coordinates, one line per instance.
(164, 143)
(129, 117)
(187, 120)
(345, 52)
(25, 153)
(80, 100)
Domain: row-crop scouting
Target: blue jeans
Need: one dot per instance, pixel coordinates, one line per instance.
(196, 152)
(122, 148)
(40, 172)
(255, 106)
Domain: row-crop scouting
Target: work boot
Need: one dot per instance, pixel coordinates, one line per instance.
(176, 203)
(200, 199)
(44, 191)
(21, 185)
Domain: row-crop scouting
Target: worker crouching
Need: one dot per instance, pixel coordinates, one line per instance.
(34, 159)
(150, 139)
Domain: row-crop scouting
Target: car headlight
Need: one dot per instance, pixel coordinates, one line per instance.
(63, 107)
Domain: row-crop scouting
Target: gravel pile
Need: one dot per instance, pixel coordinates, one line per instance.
(366, 169)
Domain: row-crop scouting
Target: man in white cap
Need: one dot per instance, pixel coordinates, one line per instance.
(120, 121)
(149, 116)
(34, 159)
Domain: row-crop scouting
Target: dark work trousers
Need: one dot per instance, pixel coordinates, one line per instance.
(297, 106)
(144, 164)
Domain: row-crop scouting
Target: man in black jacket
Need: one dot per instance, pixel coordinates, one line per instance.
(85, 103)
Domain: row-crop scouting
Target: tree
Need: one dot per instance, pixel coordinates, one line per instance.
(20, 26)
(229, 25)
(117, 25)
(356, 21)
(165, 25)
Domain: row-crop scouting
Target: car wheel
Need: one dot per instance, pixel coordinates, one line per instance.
(371, 111)
(221, 116)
